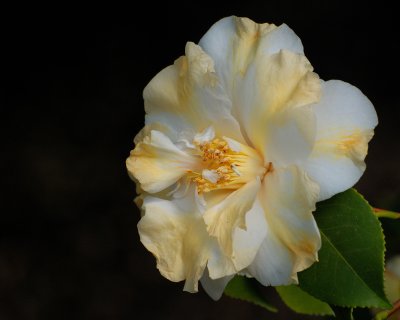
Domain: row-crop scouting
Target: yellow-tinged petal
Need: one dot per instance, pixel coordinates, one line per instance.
(288, 197)
(284, 80)
(174, 231)
(274, 98)
(187, 96)
(178, 239)
(245, 240)
(274, 263)
(264, 72)
(345, 124)
(223, 218)
(248, 37)
(235, 42)
(157, 163)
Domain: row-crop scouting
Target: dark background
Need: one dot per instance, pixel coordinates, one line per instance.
(69, 247)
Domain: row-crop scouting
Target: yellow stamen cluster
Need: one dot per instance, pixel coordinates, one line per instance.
(219, 159)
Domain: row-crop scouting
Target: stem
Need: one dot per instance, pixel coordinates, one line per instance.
(382, 213)
(396, 307)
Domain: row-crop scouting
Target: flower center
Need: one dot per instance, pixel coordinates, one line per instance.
(223, 168)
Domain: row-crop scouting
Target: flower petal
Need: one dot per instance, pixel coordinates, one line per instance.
(247, 242)
(288, 198)
(273, 264)
(345, 123)
(157, 163)
(289, 136)
(187, 96)
(274, 98)
(219, 265)
(175, 233)
(214, 287)
(263, 71)
(245, 246)
(223, 218)
(233, 42)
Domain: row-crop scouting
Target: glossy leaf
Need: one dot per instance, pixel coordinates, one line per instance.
(301, 302)
(245, 289)
(350, 268)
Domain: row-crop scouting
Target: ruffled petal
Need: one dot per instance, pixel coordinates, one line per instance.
(223, 218)
(157, 163)
(188, 97)
(176, 235)
(288, 198)
(214, 287)
(345, 124)
(274, 98)
(264, 72)
(245, 242)
(234, 42)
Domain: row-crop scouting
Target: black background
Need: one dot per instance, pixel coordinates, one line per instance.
(69, 247)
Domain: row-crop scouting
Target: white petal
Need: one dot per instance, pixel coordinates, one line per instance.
(274, 97)
(289, 136)
(233, 42)
(219, 265)
(176, 234)
(292, 237)
(345, 123)
(157, 163)
(188, 96)
(281, 38)
(247, 242)
(214, 287)
(223, 218)
(288, 198)
(273, 265)
(263, 70)
(343, 107)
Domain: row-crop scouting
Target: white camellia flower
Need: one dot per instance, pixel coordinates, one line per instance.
(241, 140)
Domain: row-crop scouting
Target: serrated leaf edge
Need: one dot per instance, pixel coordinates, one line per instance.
(383, 263)
(308, 313)
(354, 271)
(384, 246)
(263, 305)
(255, 291)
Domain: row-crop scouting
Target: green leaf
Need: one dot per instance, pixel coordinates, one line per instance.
(383, 315)
(350, 268)
(246, 289)
(301, 302)
(343, 313)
